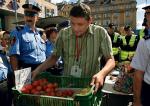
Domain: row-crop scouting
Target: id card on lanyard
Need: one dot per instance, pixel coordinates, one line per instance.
(76, 70)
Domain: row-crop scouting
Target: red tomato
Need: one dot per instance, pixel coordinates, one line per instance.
(24, 90)
(50, 85)
(35, 83)
(59, 93)
(33, 91)
(38, 88)
(28, 86)
(51, 94)
(49, 90)
(55, 85)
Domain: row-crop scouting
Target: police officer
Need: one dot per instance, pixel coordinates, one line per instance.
(5, 80)
(142, 31)
(128, 44)
(27, 48)
(141, 63)
(116, 39)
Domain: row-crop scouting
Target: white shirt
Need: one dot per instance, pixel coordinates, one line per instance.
(141, 59)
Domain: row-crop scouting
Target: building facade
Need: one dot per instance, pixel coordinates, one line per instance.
(64, 9)
(119, 12)
(8, 15)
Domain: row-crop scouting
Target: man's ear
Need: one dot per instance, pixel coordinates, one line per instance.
(90, 20)
(38, 17)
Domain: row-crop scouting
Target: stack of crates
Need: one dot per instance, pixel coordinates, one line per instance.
(89, 99)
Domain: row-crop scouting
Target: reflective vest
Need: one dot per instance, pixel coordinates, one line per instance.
(115, 49)
(128, 54)
(131, 42)
(141, 33)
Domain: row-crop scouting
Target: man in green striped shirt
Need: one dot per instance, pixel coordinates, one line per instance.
(80, 45)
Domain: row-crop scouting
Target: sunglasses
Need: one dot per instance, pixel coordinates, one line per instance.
(30, 13)
(148, 13)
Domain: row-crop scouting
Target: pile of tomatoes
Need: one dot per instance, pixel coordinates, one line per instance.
(43, 87)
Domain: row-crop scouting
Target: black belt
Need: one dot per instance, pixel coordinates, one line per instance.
(3, 80)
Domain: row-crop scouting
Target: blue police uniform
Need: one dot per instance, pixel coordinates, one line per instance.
(54, 70)
(28, 46)
(5, 81)
(49, 48)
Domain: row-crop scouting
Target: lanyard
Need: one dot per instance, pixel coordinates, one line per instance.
(78, 50)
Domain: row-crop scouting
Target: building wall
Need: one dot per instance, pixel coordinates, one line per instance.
(65, 10)
(119, 12)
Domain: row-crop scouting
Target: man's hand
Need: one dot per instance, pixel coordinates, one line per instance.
(98, 81)
(137, 104)
(34, 74)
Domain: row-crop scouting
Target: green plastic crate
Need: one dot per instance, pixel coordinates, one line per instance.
(64, 82)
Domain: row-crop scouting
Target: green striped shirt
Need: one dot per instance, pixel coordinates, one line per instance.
(95, 43)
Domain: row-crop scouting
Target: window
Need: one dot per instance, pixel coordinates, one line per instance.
(127, 13)
(116, 14)
(2, 1)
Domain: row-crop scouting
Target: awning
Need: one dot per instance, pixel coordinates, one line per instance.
(47, 22)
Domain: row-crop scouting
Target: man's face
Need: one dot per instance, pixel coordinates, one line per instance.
(110, 30)
(79, 25)
(30, 16)
(148, 15)
(128, 32)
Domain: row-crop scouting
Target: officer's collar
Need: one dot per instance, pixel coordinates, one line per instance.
(28, 28)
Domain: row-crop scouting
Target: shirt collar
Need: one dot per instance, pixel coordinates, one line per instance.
(30, 30)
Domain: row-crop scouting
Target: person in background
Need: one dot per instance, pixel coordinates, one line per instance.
(116, 40)
(27, 48)
(6, 80)
(141, 64)
(80, 45)
(51, 35)
(5, 42)
(43, 35)
(128, 45)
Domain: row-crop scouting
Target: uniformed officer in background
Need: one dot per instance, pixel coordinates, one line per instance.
(27, 48)
(141, 63)
(116, 39)
(128, 44)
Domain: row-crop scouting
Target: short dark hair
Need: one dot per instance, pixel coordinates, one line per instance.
(50, 31)
(81, 10)
(111, 25)
(127, 27)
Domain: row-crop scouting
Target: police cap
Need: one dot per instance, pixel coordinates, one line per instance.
(146, 7)
(111, 25)
(31, 5)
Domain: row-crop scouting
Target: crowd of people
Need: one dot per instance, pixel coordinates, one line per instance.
(78, 47)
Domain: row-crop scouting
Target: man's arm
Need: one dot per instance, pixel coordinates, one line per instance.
(137, 85)
(50, 61)
(98, 79)
(14, 62)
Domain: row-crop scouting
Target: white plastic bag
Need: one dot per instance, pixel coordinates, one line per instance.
(22, 77)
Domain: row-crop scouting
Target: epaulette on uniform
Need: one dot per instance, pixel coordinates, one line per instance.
(146, 37)
(19, 28)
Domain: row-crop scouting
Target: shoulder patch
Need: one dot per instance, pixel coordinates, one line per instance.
(19, 28)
